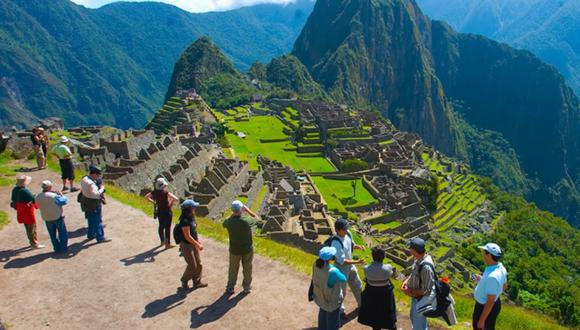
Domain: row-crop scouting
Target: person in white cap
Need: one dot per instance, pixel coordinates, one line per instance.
(22, 200)
(327, 291)
(163, 201)
(50, 204)
(490, 286)
(239, 228)
(64, 154)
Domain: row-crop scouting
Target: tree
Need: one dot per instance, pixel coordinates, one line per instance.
(354, 165)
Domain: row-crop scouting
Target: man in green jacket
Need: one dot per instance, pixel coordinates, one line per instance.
(239, 228)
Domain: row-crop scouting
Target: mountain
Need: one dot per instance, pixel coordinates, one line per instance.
(112, 65)
(424, 77)
(548, 28)
(287, 72)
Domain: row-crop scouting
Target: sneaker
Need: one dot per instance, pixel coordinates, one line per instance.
(37, 246)
(230, 290)
(200, 285)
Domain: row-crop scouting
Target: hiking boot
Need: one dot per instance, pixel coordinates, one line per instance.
(184, 286)
(230, 291)
(200, 285)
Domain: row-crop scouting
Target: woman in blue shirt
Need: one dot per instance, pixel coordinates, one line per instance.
(328, 294)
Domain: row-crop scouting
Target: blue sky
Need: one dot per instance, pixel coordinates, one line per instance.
(196, 6)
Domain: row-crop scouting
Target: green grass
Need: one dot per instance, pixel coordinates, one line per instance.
(338, 193)
(4, 219)
(270, 127)
(8, 170)
(387, 226)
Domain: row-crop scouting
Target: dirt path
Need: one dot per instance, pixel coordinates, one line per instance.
(130, 283)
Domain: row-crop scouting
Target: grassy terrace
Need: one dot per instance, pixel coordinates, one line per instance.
(270, 127)
(338, 193)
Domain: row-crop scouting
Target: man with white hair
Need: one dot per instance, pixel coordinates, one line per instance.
(50, 204)
(239, 228)
(64, 154)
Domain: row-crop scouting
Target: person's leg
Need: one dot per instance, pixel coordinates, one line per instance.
(322, 319)
(38, 151)
(355, 284)
(477, 310)
(233, 269)
(51, 227)
(198, 267)
(346, 271)
(247, 260)
(490, 321)
(99, 231)
(168, 229)
(333, 320)
(418, 321)
(62, 235)
(187, 251)
(161, 229)
(91, 224)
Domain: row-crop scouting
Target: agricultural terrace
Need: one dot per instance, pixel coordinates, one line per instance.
(339, 193)
(265, 135)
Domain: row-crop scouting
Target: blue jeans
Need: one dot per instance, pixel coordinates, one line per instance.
(418, 320)
(328, 320)
(58, 234)
(95, 220)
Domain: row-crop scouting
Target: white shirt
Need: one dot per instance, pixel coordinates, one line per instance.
(89, 188)
(343, 251)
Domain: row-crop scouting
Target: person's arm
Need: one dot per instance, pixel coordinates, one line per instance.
(172, 199)
(251, 213)
(148, 197)
(334, 276)
(486, 310)
(187, 236)
(93, 191)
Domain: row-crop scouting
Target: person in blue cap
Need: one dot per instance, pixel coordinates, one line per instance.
(328, 293)
(190, 245)
(490, 286)
(240, 226)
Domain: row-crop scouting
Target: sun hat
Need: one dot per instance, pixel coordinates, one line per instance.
(327, 252)
(46, 184)
(237, 205)
(189, 203)
(492, 248)
(160, 184)
(63, 139)
(417, 244)
(23, 180)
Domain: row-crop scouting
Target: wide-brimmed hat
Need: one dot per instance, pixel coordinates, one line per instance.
(23, 180)
(63, 139)
(160, 184)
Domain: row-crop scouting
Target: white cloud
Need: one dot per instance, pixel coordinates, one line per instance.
(195, 6)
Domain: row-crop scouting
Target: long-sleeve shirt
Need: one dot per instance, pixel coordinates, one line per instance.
(50, 205)
(424, 279)
(378, 274)
(89, 188)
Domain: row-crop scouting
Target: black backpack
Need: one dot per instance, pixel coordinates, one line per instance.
(442, 291)
(178, 234)
(328, 241)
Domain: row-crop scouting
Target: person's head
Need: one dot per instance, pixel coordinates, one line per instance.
(34, 130)
(237, 208)
(161, 184)
(188, 208)
(23, 180)
(491, 253)
(341, 227)
(378, 254)
(417, 247)
(46, 185)
(325, 254)
(63, 140)
(95, 172)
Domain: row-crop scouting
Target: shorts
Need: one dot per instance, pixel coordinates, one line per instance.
(67, 169)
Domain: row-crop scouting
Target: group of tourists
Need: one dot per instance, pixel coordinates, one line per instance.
(335, 267)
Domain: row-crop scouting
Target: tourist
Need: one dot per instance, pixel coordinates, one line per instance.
(327, 291)
(50, 204)
(190, 245)
(64, 154)
(345, 262)
(489, 288)
(378, 308)
(420, 285)
(239, 228)
(22, 200)
(164, 201)
(91, 204)
(39, 151)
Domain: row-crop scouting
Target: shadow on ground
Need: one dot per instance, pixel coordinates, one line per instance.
(216, 310)
(143, 257)
(73, 250)
(161, 306)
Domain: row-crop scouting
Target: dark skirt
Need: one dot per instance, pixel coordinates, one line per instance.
(378, 309)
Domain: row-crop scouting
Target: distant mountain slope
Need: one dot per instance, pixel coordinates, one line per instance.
(548, 28)
(423, 76)
(112, 65)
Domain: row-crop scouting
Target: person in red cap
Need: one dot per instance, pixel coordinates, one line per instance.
(22, 200)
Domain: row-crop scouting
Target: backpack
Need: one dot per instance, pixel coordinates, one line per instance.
(328, 241)
(442, 295)
(178, 234)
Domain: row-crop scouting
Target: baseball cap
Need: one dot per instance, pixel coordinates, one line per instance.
(46, 184)
(327, 252)
(189, 203)
(160, 184)
(341, 224)
(237, 205)
(492, 248)
(417, 244)
(94, 169)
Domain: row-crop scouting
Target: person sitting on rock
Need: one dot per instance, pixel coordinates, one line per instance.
(164, 201)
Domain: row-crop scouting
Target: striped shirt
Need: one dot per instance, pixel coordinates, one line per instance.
(423, 281)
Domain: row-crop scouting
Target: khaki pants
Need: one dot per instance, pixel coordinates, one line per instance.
(194, 267)
(353, 281)
(40, 157)
(31, 233)
(246, 261)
